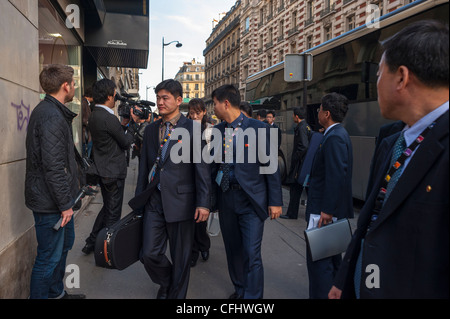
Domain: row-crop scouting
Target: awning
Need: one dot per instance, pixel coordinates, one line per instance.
(122, 41)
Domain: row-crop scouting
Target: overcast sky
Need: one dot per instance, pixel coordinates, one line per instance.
(189, 22)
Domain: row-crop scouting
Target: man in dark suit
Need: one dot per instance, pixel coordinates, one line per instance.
(110, 142)
(247, 193)
(270, 118)
(330, 192)
(302, 133)
(400, 248)
(174, 195)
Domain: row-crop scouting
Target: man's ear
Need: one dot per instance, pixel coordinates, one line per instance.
(403, 77)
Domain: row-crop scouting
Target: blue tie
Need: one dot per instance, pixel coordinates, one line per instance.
(399, 148)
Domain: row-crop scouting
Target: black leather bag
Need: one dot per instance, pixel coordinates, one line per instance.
(119, 246)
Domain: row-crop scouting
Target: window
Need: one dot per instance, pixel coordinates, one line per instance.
(327, 33)
(247, 24)
(350, 22)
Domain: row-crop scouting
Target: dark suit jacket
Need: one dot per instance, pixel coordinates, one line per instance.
(301, 143)
(184, 186)
(409, 242)
(262, 190)
(330, 188)
(110, 143)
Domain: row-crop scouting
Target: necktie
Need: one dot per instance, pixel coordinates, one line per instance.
(225, 167)
(399, 148)
(166, 142)
(165, 146)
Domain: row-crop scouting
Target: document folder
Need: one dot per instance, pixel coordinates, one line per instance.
(329, 240)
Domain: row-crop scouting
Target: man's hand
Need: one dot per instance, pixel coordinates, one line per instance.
(201, 215)
(275, 212)
(335, 293)
(66, 216)
(325, 219)
(136, 118)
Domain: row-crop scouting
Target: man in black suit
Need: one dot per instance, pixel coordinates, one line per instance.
(400, 248)
(330, 191)
(110, 142)
(173, 195)
(302, 133)
(270, 118)
(248, 192)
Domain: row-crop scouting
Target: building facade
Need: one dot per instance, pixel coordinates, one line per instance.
(36, 33)
(192, 77)
(270, 29)
(222, 54)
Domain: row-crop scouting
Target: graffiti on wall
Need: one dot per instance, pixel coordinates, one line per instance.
(23, 115)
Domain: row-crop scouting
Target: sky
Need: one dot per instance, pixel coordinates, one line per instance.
(189, 22)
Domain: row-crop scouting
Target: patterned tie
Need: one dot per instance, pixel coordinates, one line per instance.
(166, 143)
(225, 167)
(399, 148)
(165, 146)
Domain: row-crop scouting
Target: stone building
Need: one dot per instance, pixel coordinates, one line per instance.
(222, 53)
(192, 77)
(95, 38)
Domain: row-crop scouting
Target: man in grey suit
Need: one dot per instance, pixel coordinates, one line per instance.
(330, 192)
(173, 195)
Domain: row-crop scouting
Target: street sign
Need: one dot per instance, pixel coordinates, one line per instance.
(298, 67)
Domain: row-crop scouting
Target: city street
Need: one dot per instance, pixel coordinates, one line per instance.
(283, 249)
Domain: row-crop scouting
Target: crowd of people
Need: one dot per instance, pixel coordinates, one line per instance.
(402, 228)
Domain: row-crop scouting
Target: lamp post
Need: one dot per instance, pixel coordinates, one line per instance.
(179, 45)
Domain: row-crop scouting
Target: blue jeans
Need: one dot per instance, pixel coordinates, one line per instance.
(47, 277)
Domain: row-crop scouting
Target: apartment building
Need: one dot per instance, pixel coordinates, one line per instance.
(222, 53)
(192, 77)
(270, 29)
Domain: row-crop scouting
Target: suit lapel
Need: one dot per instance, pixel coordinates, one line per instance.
(181, 123)
(419, 166)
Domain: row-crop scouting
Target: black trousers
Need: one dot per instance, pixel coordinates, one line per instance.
(202, 242)
(295, 193)
(112, 193)
(173, 276)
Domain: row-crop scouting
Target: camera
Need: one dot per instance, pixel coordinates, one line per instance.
(127, 104)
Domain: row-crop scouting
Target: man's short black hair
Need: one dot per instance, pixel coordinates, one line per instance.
(423, 48)
(298, 111)
(261, 113)
(227, 92)
(102, 89)
(247, 108)
(271, 112)
(337, 105)
(174, 87)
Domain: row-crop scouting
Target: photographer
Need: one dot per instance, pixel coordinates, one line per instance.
(110, 143)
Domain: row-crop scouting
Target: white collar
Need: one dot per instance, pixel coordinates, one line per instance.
(106, 108)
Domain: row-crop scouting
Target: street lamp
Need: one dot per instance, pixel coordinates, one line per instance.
(179, 45)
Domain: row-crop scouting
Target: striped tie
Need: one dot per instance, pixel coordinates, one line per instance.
(165, 146)
(399, 148)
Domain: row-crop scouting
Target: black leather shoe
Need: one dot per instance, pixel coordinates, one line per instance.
(163, 293)
(235, 295)
(286, 217)
(205, 255)
(73, 296)
(87, 249)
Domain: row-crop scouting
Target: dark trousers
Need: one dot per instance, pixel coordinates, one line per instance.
(242, 232)
(295, 193)
(112, 193)
(173, 276)
(201, 240)
(321, 274)
(47, 276)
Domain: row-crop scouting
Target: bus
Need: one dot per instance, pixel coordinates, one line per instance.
(348, 65)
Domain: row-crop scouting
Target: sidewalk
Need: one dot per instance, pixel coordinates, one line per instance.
(283, 250)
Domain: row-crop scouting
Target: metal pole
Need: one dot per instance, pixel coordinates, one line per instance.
(163, 59)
